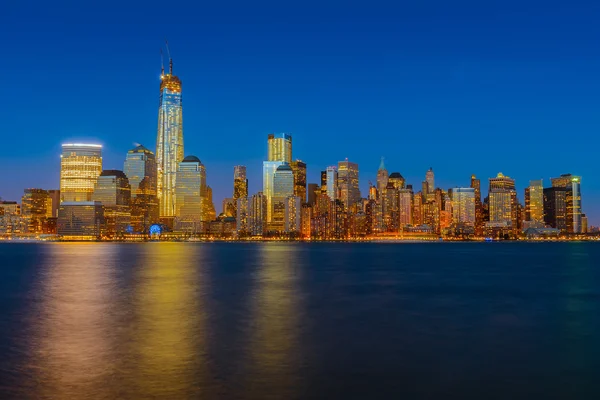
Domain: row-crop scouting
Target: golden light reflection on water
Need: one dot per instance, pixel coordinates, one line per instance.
(72, 345)
(168, 343)
(275, 318)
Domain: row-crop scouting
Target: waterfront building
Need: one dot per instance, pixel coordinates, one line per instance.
(299, 170)
(54, 195)
(293, 215)
(80, 166)
(534, 201)
(36, 208)
(169, 141)
(243, 212)
(463, 206)
(332, 183)
(418, 209)
(11, 221)
(479, 220)
(113, 191)
(572, 186)
(240, 185)
(189, 199)
(503, 201)
(305, 220)
(258, 214)
(80, 220)
(208, 209)
(348, 183)
(584, 223)
(382, 179)
(280, 147)
(140, 169)
(405, 207)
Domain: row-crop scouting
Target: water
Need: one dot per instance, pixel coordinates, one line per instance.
(300, 321)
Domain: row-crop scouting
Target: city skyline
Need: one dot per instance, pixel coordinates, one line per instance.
(410, 116)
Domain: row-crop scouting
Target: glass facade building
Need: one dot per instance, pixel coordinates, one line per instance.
(140, 168)
(280, 147)
(572, 187)
(82, 220)
(80, 166)
(169, 141)
(189, 201)
(332, 183)
(348, 183)
(113, 191)
(534, 201)
(463, 206)
(299, 169)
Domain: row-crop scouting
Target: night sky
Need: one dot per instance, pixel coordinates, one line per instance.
(463, 87)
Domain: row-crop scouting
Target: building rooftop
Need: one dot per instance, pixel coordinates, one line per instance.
(191, 159)
(284, 167)
(113, 172)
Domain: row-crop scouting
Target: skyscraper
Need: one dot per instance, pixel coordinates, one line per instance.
(280, 147)
(405, 207)
(572, 186)
(397, 180)
(555, 207)
(476, 184)
(348, 183)
(283, 181)
(463, 206)
(382, 179)
(312, 193)
(257, 217)
(240, 182)
(189, 201)
(332, 183)
(113, 191)
(503, 201)
(140, 168)
(169, 140)
(279, 152)
(80, 166)
(430, 179)
(534, 201)
(299, 169)
(36, 207)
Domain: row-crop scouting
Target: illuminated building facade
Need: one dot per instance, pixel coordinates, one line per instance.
(54, 195)
(229, 206)
(80, 166)
(463, 206)
(534, 201)
(269, 168)
(283, 181)
(382, 179)
(209, 212)
(189, 201)
(293, 214)
(80, 220)
(348, 183)
(243, 212)
(390, 210)
(299, 169)
(405, 207)
(572, 186)
(313, 188)
(332, 183)
(36, 208)
(169, 141)
(257, 219)
(397, 180)
(476, 184)
(555, 207)
(429, 187)
(305, 221)
(280, 147)
(113, 191)
(140, 168)
(418, 209)
(503, 206)
(240, 185)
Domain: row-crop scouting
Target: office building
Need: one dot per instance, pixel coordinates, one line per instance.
(240, 185)
(113, 191)
(257, 219)
(242, 218)
(293, 215)
(54, 195)
(503, 201)
(476, 184)
(348, 184)
(463, 206)
(405, 207)
(332, 183)
(189, 199)
(140, 169)
(572, 186)
(280, 147)
(80, 166)
(313, 188)
(397, 180)
(229, 207)
(80, 220)
(283, 181)
(169, 141)
(36, 208)
(299, 169)
(534, 201)
(382, 179)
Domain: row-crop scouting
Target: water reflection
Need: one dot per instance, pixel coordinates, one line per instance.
(73, 344)
(168, 354)
(276, 315)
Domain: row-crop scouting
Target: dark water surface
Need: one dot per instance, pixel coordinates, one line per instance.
(300, 321)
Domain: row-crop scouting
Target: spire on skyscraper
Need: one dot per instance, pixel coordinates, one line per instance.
(381, 165)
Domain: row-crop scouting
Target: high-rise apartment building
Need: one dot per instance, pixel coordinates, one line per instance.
(463, 206)
(169, 141)
(257, 220)
(243, 213)
(80, 166)
(476, 184)
(534, 201)
(189, 195)
(299, 169)
(348, 183)
(405, 207)
(293, 214)
(113, 191)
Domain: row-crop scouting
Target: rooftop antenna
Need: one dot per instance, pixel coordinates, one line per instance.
(170, 59)
(162, 63)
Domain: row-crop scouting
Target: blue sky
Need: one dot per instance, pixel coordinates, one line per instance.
(463, 87)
